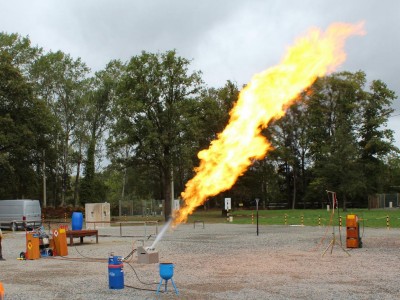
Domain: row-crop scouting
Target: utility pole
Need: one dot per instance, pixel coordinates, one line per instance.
(123, 183)
(172, 192)
(123, 193)
(44, 179)
(257, 213)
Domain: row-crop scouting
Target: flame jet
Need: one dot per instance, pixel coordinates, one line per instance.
(265, 98)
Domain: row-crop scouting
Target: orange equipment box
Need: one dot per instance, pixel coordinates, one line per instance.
(353, 239)
(60, 242)
(351, 221)
(32, 245)
(352, 243)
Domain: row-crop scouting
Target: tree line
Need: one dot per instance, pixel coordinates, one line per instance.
(132, 131)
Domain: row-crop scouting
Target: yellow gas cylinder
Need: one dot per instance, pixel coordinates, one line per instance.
(32, 245)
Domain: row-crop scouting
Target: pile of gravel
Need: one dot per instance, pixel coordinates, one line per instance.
(219, 261)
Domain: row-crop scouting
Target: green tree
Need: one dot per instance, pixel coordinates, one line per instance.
(335, 103)
(20, 51)
(98, 102)
(25, 129)
(288, 135)
(152, 93)
(376, 141)
(61, 82)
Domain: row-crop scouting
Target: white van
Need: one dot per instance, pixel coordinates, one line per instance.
(16, 214)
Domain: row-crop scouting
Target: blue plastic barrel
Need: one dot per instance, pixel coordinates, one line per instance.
(115, 273)
(77, 221)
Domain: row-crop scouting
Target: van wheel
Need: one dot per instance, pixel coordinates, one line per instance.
(14, 227)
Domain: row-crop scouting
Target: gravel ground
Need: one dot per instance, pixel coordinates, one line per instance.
(221, 261)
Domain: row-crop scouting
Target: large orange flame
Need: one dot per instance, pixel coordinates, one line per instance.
(265, 98)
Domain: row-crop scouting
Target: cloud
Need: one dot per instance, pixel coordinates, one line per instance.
(227, 40)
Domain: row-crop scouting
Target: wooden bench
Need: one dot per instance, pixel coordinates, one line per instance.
(81, 234)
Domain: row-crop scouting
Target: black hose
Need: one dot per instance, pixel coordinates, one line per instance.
(138, 276)
(91, 258)
(142, 289)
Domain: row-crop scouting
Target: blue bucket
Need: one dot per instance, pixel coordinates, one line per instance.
(166, 270)
(77, 221)
(115, 273)
(166, 273)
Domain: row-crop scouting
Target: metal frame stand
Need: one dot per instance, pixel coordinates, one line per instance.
(166, 281)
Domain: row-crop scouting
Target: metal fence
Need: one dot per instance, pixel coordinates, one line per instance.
(383, 200)
(142, 207)
(143, 229)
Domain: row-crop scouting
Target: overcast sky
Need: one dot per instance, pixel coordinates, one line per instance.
(227, 40)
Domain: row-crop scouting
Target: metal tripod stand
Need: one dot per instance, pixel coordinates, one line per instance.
(333, 241)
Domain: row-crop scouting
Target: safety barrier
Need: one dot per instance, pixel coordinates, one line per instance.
(301, 220)
(320, 221)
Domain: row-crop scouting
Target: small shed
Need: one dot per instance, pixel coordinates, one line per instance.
(97, 215)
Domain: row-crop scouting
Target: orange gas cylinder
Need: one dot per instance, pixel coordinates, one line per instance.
(32, 245)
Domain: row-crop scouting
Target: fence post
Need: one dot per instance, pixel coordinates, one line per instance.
(387, 222)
